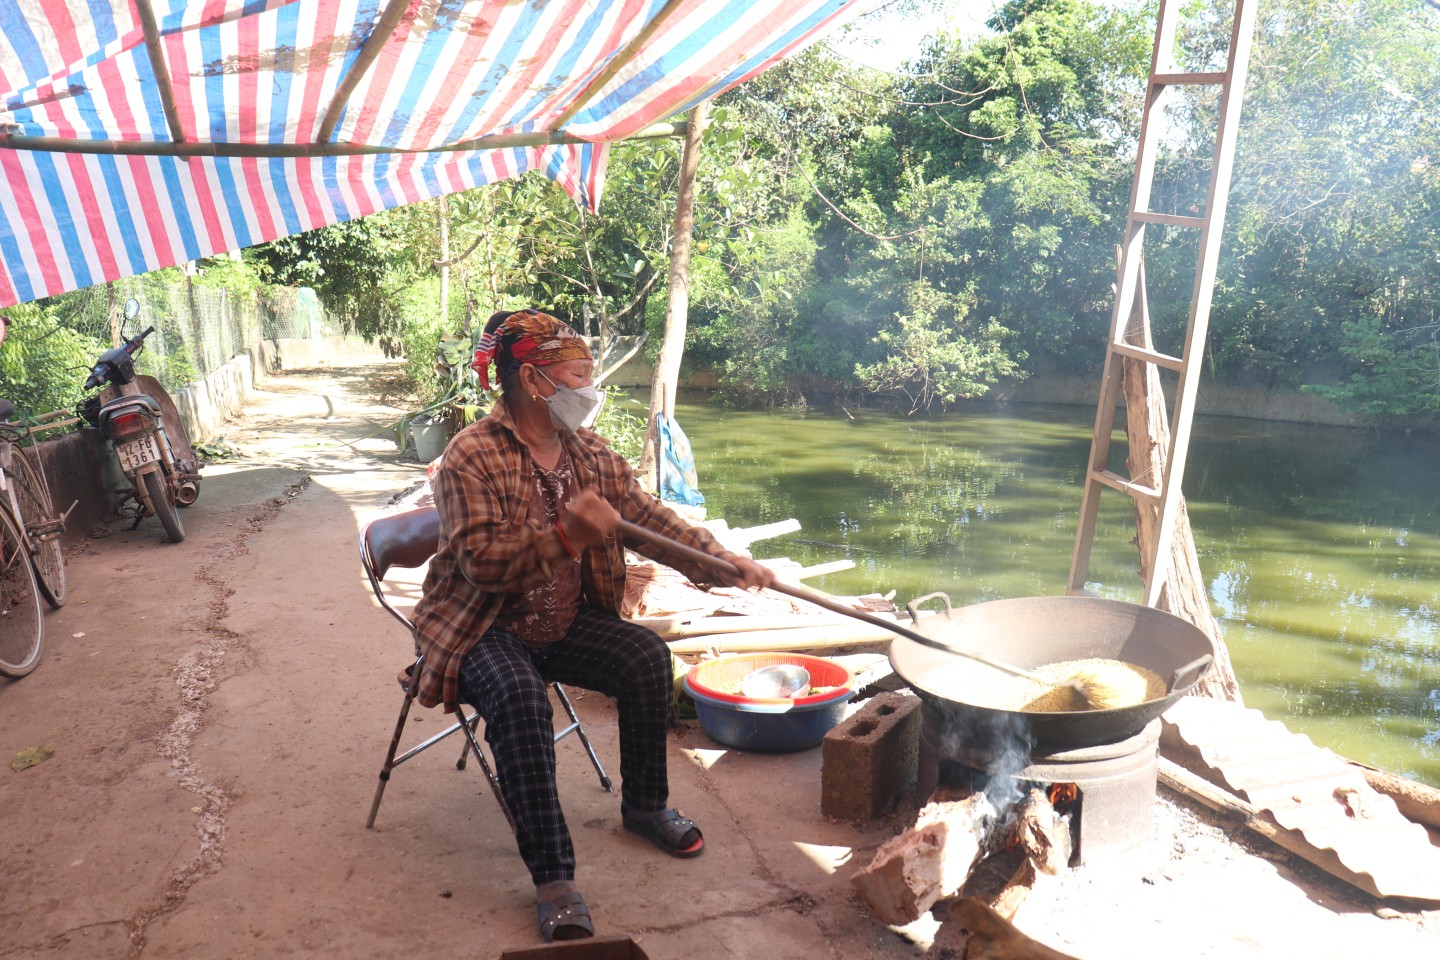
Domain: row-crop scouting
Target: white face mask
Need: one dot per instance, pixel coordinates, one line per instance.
(569, 406)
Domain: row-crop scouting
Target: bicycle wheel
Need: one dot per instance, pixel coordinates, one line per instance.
(22, 629)
(36, 511)
(163, 503)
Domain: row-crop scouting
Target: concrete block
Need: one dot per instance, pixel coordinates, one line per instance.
(869, 759)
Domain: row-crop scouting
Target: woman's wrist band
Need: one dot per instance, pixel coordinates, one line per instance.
(565, 541)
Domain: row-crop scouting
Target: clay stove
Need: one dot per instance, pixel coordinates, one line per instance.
(1114, 782)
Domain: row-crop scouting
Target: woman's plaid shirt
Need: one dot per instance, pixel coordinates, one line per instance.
(489, 547)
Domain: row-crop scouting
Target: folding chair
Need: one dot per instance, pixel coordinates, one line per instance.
(409, 540)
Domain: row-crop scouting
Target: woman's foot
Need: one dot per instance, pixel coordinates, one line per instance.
(669, 830)
(562, 911)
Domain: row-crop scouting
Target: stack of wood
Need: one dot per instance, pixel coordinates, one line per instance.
(696, 618)
(972, 867)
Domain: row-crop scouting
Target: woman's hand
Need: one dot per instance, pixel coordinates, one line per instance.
(589, 520)
(753, 575)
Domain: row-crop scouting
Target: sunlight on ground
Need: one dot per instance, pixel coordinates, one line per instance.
(827, 858)
(705, 757)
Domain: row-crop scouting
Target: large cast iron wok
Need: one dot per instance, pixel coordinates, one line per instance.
(1027, 632)
(1034, 631)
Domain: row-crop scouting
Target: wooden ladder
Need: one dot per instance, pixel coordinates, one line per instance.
(1130, 293)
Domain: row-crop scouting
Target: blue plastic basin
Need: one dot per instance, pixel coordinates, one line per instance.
(768, 726)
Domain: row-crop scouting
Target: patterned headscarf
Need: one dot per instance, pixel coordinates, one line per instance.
(527, 336)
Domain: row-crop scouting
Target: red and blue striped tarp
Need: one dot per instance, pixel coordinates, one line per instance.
(137, 134)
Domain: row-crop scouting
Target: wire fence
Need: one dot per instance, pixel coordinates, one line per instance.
(197, 329)
(51, 345)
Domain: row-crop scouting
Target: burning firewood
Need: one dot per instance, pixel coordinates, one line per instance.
(990, 936)
(1037, 840)
(909, 873)
(937, 856)
(1044, 833)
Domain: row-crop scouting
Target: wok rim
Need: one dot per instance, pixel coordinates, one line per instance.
(908, 656)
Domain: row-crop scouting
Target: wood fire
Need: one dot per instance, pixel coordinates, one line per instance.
(965, 851)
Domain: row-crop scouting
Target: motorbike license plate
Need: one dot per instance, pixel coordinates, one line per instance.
(134, 454)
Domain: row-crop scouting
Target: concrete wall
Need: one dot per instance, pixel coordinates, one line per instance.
(207, 406)
(76, 470)
(79, 467)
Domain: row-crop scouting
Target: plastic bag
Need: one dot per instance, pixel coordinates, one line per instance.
(678, 482)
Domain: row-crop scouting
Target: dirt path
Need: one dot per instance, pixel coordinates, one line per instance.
(218, 711)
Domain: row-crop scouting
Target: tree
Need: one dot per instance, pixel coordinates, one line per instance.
(1331, 268)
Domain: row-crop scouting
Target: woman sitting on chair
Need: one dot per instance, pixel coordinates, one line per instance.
(525, 590)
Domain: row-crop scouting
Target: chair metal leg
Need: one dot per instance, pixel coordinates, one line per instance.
(465, 749)
(576, 728)
(490, 776)
(389, 759)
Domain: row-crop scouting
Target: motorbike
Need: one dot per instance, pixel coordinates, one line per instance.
(142, 426)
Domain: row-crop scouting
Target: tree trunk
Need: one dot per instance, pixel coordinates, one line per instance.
(1147, 424)
(442, 222)
(672, 349)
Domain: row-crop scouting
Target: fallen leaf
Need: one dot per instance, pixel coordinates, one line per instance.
(29, 757)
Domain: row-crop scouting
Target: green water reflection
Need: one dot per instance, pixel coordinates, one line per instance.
(1322, 546)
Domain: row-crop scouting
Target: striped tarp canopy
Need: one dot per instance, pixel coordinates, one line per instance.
(137, 134)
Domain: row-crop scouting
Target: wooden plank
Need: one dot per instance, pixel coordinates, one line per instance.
(822, 569)
(766, 531)
(1148, 356)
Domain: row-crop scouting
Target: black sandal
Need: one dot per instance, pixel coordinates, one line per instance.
(565, 917)
(669, 830)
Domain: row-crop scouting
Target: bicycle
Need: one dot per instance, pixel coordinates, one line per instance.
(31, 562)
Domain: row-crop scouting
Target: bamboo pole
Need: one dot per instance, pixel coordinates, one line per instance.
(793, 640)
(672, 349)
(150, 28)
(156, 148)
(374, 43)
(681, 627)
(620, 61)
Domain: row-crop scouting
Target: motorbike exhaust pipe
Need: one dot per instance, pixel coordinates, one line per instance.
(187, 494)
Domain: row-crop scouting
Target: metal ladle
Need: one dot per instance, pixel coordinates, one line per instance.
(779, 680)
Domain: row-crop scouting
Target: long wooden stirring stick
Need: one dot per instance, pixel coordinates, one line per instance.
(829, 603)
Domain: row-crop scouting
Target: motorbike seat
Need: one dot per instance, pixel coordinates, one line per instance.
(7, 409)
(127, 401)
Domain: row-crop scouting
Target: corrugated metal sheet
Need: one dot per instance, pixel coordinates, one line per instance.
(1310, 790)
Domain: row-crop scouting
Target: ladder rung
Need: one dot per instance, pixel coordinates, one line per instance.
(1116, 482)
(1173, 79)
(1148, 356)
(1146, 216)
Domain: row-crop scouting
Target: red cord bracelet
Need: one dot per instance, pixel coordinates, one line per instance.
(565, 541)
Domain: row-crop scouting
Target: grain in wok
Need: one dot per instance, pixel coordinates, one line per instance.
(968, 681)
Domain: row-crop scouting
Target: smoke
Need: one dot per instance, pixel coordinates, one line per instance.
(997, 745)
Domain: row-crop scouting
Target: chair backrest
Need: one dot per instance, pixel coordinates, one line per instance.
(406, 539)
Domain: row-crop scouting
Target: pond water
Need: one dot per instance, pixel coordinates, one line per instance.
(1321, 546)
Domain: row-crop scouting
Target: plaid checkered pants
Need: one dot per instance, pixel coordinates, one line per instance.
(507, 682)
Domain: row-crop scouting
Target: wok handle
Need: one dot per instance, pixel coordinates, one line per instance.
(728, 569)
(1191, 673)
(913, 607)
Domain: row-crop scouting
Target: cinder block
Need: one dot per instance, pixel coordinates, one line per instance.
(868, 760)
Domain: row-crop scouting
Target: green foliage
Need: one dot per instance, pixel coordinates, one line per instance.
(932, 356)
(43, 364)
(1336, 207)
(1396, 372)
(934, 232)
(622, 421)
(748, 325)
